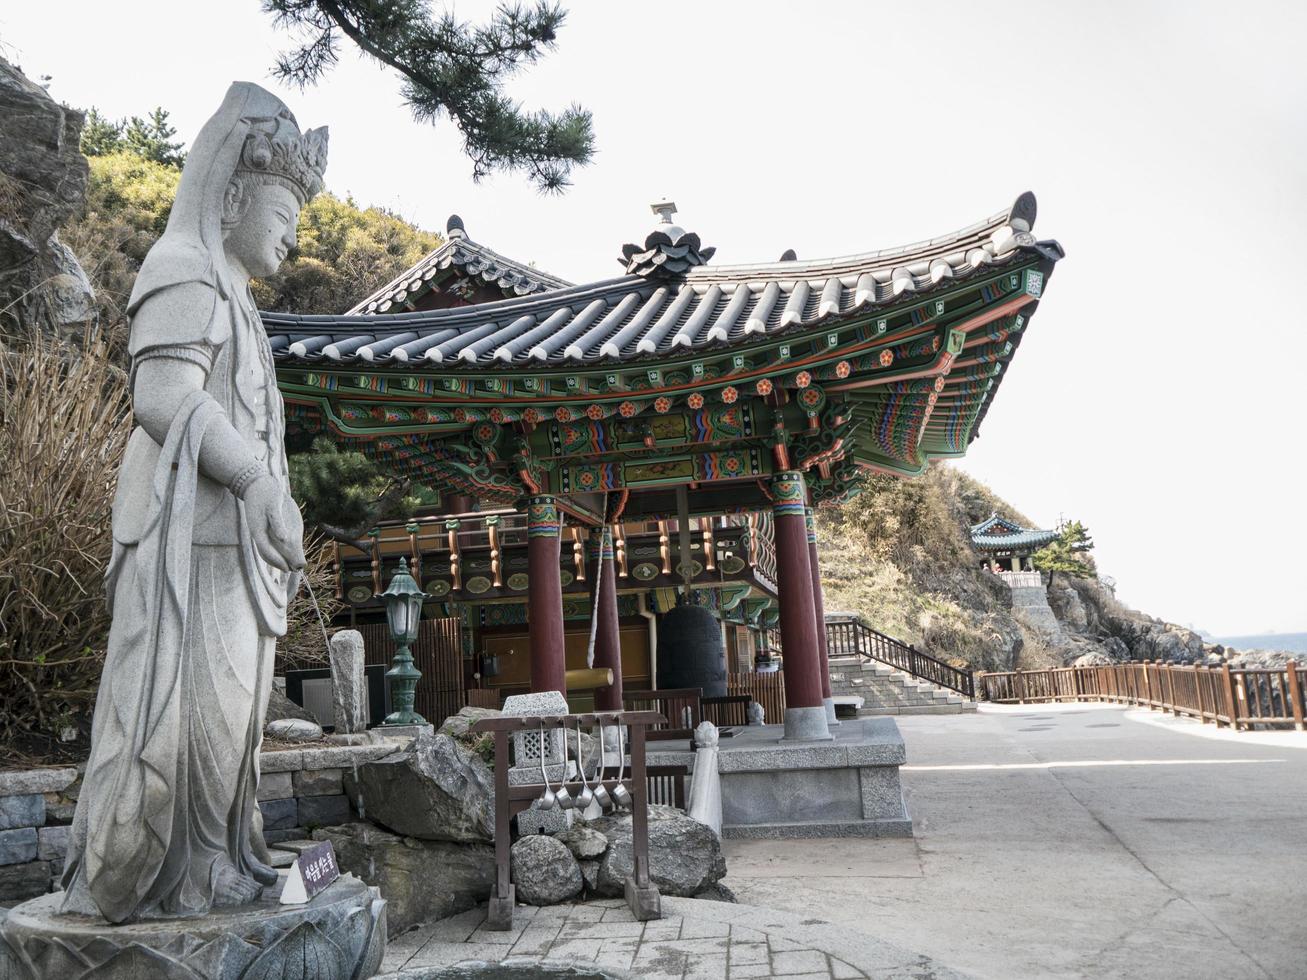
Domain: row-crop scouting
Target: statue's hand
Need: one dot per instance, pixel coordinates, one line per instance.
(277, 537)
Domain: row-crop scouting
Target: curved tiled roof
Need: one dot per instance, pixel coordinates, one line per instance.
(473, 259)
(636, 316)
(999, 534)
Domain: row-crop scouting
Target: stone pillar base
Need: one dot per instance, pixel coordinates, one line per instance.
(829, 705)
(806, 725)
(338, 935)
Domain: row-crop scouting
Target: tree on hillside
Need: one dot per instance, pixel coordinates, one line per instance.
(450, 67)
(1069, 553)
(150, 138)
(100, 135)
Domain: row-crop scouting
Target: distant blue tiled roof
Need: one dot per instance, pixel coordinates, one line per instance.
(1000, 534)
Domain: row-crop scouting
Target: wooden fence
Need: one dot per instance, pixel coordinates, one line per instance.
(438, 653)
(767, 689)
(1235, 698)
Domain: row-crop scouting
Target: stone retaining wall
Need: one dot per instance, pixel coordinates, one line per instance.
(300, 790)
(36, 808)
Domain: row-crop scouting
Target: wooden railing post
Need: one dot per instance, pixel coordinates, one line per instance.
(1295, 694)
(1232, 703)
(1020, 686)
(455, 556)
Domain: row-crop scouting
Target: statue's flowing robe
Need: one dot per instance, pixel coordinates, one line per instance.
(168, 800)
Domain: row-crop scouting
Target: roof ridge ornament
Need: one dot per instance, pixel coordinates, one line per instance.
(668, 251)
(454, 227)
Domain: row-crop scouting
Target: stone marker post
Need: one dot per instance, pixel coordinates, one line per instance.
(349, 689)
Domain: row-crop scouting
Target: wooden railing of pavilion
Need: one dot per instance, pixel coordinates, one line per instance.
(440, 546)
(849, 636)
(1229, 697)
(767, 689)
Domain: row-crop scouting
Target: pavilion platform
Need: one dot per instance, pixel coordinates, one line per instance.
(847, 786)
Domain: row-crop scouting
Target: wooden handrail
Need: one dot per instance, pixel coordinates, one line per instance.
(1233, 697)
(845, 636)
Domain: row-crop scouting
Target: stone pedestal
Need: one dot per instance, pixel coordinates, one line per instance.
(339, 935)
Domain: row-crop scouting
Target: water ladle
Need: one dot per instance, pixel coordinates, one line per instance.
(550, 799)
(563, 797)
(621, 796)
(586, 796)
(600, 793)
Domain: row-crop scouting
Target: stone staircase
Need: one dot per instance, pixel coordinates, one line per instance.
(889, 691)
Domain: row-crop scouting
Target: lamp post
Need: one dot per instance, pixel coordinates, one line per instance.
(403, 600)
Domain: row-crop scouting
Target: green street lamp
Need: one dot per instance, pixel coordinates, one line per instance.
(403, 601)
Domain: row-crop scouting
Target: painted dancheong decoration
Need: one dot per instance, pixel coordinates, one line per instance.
(677, 372)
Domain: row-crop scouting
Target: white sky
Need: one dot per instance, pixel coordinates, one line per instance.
(1158, 396)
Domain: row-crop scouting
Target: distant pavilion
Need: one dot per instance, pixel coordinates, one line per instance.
(667, 432)
(1000, 540)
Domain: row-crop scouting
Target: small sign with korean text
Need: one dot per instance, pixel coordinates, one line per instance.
(312, 871)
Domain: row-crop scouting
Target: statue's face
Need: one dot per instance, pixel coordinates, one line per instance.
(265, 232)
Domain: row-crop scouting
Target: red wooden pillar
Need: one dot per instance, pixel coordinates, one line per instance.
(805, 714)
(608, 642)
(819, 613)
(545, 597)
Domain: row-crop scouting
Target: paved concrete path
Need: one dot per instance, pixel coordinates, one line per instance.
(694, 940)
(1071, 841)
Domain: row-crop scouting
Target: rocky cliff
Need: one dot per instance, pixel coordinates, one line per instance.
(42, 185)
(900, 557)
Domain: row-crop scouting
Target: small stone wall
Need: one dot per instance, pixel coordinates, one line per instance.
(36, 809)
(302, 789)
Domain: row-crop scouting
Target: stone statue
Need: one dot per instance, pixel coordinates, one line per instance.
(207, 540)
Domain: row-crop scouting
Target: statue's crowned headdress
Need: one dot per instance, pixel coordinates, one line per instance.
(276, 150)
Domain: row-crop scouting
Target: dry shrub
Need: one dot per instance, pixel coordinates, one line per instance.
(64, 422)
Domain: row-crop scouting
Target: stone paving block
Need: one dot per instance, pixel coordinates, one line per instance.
(743, 934)
(275, 786)
(779, 944)
(52, 843)
(659, 930)
(324, 811)
(285, 836)
(742, 971)
(656, 960)
(27, 781)
(799, 961)
(842, 971)
(287, 761)
(706, 967)
(17, 846)
(698, 929)
(457, 928)
(574, 949)
(19, 882)
(447, 954)
(614, 957)
(278, 814)
(602, 930)
(319, 782)
(27, 810)
(619, 914)
(535, 939)
(749, 953)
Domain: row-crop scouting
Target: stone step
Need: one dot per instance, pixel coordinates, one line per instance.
(962, 707)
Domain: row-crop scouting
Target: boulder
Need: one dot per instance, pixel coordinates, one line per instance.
(422, 881)
(583, 841)
(435, 789)
(43, 178)
(280, 706)
(460, 725)
(293, 729)
(1092, 660)
(544, 871)
(685, 856)
(1115, 648)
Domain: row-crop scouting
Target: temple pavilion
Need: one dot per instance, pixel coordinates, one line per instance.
(1006, 545)
(603, 455)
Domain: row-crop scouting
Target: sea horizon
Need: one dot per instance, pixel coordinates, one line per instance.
(1286, 642)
